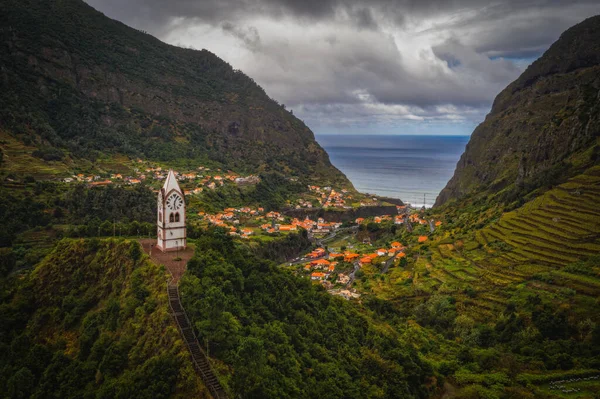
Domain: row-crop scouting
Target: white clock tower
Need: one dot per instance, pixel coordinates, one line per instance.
(171, 230)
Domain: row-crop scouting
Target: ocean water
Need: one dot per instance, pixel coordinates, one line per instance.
(404, 167)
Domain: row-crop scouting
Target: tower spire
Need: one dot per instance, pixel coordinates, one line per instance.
(171, 230)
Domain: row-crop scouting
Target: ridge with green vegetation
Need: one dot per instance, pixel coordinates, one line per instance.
(92, 320)
(77, 87)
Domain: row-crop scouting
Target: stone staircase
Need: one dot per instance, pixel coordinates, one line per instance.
(200, 359)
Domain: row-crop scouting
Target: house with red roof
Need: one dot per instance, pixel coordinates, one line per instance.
(365, 260)
(317, 276)
(320, 263)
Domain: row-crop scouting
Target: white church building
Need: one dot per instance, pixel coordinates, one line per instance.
(171, 229)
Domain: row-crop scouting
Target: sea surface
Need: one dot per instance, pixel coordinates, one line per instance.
(404, 167)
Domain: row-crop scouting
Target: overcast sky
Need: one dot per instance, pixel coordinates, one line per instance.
(378, 66)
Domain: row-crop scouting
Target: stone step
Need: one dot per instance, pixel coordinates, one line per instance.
(200, 359)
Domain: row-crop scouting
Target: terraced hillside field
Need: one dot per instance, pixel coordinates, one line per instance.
(532, 249)
(516, 301)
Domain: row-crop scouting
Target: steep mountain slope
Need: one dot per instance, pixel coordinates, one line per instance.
(76, 84)
(542, 128)
(92, 320)
(519, 296)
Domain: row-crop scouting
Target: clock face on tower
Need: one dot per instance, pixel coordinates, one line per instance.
(174, 202)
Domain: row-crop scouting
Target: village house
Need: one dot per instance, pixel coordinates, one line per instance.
(365, 260)
(317, 276)
(350, 257)
(343, 279)
(317, 253)
(100, 183)
(320, 264)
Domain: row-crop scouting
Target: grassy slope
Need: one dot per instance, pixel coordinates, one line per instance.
(489, 259)
(97, 311)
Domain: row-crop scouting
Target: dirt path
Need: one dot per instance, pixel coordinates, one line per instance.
(175, 267)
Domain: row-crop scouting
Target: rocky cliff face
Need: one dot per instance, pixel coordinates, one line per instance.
(542, 129)
(73, 79)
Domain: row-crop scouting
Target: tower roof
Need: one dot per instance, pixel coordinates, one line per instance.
(171, 183)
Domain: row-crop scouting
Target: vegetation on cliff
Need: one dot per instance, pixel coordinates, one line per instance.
(542, 129)
(76, 85)
(92, 320)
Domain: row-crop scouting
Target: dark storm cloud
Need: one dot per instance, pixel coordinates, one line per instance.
(249, 36)
(362, 60)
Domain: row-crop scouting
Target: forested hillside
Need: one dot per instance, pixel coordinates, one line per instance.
(76, 86)
(92, 320)
(286, 338)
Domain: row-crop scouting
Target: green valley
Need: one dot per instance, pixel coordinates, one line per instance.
(169, 229)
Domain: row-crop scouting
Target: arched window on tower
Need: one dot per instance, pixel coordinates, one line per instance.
(160, 216)
(171, 218)
(177, 217)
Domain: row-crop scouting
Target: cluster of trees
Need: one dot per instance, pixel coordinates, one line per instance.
(92, 211)
(272, 193)
(20, 212)
(85, 204)
(285, 337)
(89, 322)
(284, 248)
(529, 336)
(95, 228)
